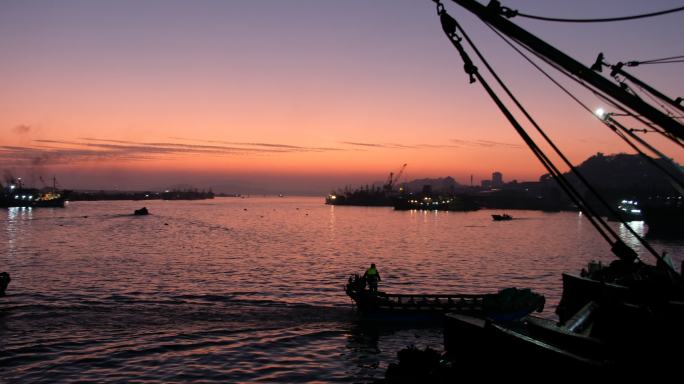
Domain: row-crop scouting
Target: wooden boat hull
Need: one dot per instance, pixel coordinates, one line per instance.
(578, 291)
(475, 342)
(604, 329)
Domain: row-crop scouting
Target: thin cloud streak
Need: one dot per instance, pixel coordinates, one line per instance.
(398, 146)
(485, 144)
(60, 152)
(365, 144)
(159, 147)
(169, 146)
(293, 148)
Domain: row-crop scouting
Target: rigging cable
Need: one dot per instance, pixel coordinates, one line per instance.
(559, 153)
(620, 249)
(664, 60)
(578, 78)
(607, 121)
(656, 101)
(511, 13)
(449, 26)
(617, 72)
(574, 170)
(639, 118)
(603, 96)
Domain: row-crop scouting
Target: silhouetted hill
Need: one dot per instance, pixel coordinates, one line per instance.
(439, 185)
(625, 174)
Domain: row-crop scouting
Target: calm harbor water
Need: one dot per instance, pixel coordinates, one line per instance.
(250, 290)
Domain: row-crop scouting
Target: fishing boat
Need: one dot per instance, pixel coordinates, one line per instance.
(506, 305)
(523, 347)
(614, 318)
(504, 217)
(141, 212)
(14, 194)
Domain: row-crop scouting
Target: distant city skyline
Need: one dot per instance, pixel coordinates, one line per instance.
(298, 97)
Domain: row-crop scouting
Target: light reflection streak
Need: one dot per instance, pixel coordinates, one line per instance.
(14, 216)
(626, 235)
(332, 219)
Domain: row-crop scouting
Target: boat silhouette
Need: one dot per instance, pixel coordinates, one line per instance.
(505, 305)
(612, 318)
(503, 217)
(15, 194)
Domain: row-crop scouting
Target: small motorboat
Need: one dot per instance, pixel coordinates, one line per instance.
(142, 211)
(503, 217)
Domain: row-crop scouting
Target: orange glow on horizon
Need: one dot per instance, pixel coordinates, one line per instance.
(122, 92)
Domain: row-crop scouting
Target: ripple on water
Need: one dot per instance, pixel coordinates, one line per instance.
(250, 290)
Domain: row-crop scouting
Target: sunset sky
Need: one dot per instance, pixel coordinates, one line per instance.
(297, 96)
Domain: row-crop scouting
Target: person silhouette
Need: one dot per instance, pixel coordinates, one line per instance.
(372, 277)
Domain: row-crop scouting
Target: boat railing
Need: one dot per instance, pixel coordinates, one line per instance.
(453, 301)
(432, 295)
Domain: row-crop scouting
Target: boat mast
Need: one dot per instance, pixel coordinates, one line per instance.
(619, 248)
(492, 15)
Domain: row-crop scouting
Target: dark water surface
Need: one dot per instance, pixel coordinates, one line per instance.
(250, 290)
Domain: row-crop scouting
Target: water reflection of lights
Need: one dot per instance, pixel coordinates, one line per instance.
(626, 235)
(14, 216)
(14, 213)
(332, 218)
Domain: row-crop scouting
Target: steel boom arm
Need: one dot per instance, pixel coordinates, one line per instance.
(491, 14)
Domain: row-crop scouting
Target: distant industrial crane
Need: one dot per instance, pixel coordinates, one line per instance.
(391, 180)
(401, 172)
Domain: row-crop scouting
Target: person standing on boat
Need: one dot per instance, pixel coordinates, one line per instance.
(372, 277)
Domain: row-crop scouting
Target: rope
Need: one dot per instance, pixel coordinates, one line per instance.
(449, 25)
(601, 20)
(614, 128)
(560, 154)
(610, 123)
(658, 62)
(604, 96)
(673, 59)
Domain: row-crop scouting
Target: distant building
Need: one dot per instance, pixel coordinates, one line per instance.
(486, 184)
(497, 180)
